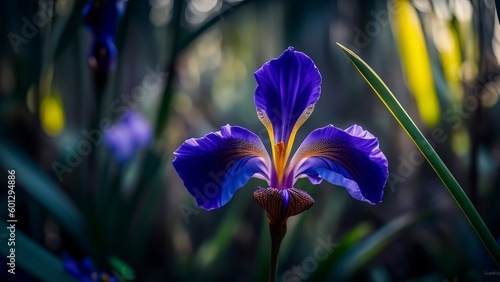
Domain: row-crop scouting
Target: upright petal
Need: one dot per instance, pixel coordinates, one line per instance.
(287, 89)
(350, 158)
(215, 166)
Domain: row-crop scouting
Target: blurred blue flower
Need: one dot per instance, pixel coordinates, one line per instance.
(127, 136)
(101, 18)
(84, 270)
(215, 166)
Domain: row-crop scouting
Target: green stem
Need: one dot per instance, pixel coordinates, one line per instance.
(177, 12)
(273, 263)
(278, 231)
(430, 155)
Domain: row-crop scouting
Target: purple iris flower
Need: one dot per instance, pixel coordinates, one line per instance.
(84, 271)
(127, 136)
(215, 166)
(101, 18)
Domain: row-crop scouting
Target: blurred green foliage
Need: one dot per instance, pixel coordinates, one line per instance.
(197, 59)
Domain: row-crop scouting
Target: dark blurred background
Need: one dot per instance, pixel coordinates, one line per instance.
(158, 72)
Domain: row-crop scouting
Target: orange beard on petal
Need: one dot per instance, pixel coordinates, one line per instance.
(280, 161)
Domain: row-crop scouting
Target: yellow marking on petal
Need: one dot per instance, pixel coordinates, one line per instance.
(281, 150)
(300, 121)
(269, 127)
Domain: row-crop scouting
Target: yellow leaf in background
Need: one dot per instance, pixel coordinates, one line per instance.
(416, 62)
(460, 142)
(52, 115)
(447, 43)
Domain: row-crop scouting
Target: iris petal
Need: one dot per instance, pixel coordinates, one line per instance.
(288, 87)
(350, 158)
(215, 166)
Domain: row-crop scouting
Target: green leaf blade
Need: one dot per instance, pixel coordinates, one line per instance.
(426, 149)
(44, 191)
(34, 258)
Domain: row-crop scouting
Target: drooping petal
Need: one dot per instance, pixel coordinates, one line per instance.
(350, 158)
(287, 89)
(215, 166)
